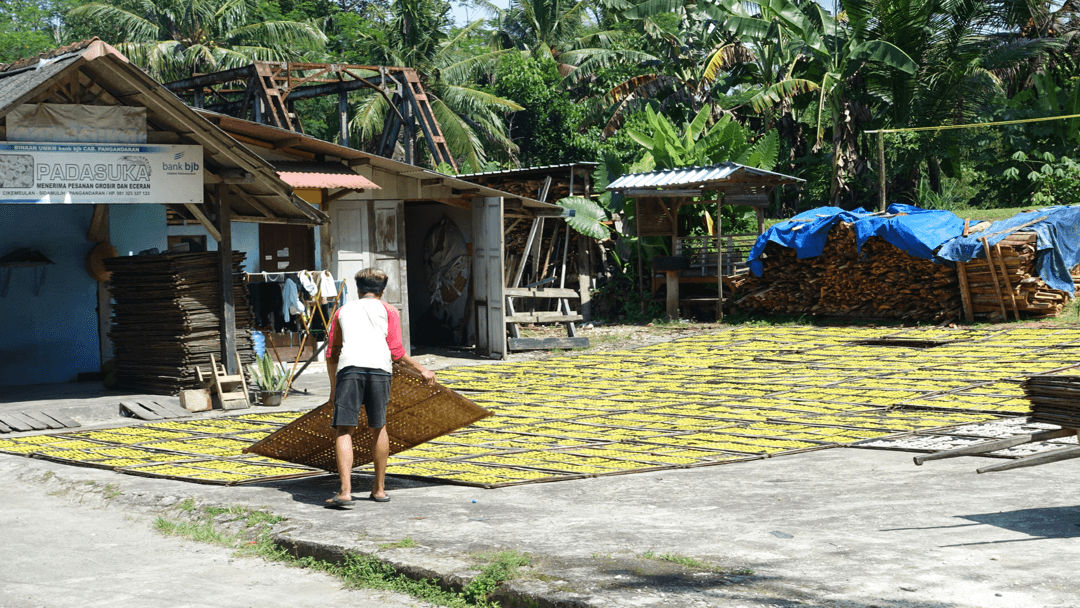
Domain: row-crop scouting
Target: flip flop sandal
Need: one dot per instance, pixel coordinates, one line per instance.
(383, 498)
(338, 503)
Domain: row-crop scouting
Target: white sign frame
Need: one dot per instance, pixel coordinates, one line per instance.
(98, 173)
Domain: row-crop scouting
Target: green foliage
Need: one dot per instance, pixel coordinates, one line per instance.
(30, 27)
(173, 39)
(588, 217)
(547, 130)
(502, 567)
(726, 140)
(1056, 179)
(268, 374)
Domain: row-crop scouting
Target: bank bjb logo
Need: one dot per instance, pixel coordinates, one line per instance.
(179, 165)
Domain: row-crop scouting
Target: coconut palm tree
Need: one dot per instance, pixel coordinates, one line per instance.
(471, 119)
(173, 39)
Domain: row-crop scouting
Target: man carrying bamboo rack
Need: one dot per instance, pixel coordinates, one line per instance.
(365, 341)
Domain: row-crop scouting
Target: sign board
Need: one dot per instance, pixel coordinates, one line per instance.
(70, 173)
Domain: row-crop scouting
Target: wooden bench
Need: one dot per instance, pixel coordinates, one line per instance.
(564, 315)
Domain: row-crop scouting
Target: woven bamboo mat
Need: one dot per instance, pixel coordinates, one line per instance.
(416, 413)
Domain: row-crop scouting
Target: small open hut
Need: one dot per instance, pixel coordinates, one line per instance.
(658, 196)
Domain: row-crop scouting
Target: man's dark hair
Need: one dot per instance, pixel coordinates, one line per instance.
(370, 280)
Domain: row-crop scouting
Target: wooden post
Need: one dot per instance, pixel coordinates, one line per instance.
(584, 276)
(225, 278)
(720, 262)
(965, 291)
(343, 117)
(1006, 281)
(672, 303)
(881, 170)
(99, 233)
(993, 275)
(564, 304)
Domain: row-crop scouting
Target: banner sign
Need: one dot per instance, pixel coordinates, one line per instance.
(43, 173)
(77, 123)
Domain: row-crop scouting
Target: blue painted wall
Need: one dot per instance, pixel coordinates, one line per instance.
(53, 336)
(245, 236)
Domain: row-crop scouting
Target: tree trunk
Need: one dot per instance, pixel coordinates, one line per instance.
(848, 162)
(933, 171)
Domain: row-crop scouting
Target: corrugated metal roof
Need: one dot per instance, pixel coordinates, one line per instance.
(285, 141)
(322, 175)
(694, 177)
(511, 172)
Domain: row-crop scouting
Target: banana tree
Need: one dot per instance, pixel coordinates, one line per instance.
(843, 49)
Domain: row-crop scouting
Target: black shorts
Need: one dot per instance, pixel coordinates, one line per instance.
(361, 385)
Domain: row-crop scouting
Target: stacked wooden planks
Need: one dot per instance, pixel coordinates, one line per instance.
(166, 318)
(1055, 399)
(881, 281)
(1009, 285)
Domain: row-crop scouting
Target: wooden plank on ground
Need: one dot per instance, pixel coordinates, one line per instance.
(542, 317)
(27, 423)
(41, 418)
(533, 292)
(173, 408)
(139, 411)
(4, 428)
(65, 421)
(164, 410)
(546, 343)
(15, 424)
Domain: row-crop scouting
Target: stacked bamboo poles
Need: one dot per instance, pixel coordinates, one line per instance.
(166, 318)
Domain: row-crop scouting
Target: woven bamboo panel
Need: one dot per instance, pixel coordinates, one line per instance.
(416, 413)
(1055, 399)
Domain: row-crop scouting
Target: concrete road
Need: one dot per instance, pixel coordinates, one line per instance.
(834, 528)
(57, 553)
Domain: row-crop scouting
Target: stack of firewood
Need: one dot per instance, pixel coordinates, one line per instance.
(167, 315)
(881, 281)
(1010, 285)
(1055, 399)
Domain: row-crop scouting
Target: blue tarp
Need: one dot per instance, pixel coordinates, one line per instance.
(1058, 242)
(918, 232)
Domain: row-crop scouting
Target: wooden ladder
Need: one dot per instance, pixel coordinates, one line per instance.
(231, 389)
(274, 100)
(414, 92)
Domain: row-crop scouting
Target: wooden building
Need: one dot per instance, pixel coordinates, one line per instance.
(94, 154)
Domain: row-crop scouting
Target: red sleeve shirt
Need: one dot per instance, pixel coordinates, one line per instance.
(393, 332)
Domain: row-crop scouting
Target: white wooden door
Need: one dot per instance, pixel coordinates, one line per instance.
(349, 225)
(488, 276)
(371, 234)
(388, 255)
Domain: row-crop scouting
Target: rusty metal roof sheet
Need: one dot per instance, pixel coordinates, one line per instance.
(322, 175)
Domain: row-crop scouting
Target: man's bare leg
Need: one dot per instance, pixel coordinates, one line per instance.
(380, 448)
(343, 450)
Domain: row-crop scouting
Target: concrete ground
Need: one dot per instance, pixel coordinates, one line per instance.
(62, 551)
(843, 527)
(840, 527)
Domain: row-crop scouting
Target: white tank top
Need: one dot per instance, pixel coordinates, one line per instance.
(364, 325)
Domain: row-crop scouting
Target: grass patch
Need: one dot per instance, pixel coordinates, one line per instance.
(405, 543)
(355, 571)
(693, 563)
(501, 567)
(111, 491)
(202, 531)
